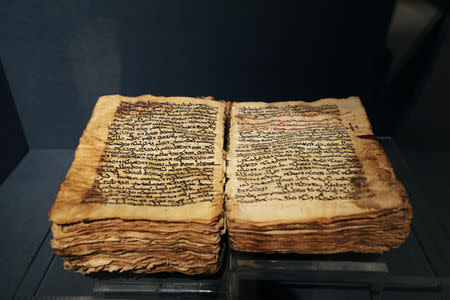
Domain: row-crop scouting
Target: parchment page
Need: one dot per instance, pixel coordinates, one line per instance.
(301, 162)
(150, 158)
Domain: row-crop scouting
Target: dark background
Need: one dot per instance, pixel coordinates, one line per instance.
(58, 57)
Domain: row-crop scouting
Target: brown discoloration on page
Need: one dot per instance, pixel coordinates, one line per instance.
(133, 154)
(293, 163)
(145, 191)
(317, 166)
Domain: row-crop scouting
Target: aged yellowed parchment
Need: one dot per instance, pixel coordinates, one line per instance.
(300, 162)
(146, 189)
(152, 158)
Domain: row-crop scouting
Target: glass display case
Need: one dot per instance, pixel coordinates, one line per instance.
(58, 58)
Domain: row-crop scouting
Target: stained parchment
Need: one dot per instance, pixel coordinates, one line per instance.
(148, 157)
(305, 161)
(158, 154)
(296, 152)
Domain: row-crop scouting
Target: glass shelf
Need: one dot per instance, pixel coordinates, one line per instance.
(347, 270)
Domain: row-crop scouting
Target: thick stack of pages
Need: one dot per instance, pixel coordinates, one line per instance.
(311, 178)
(145, 191)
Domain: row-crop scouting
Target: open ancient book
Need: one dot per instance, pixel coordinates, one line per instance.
(156, 181)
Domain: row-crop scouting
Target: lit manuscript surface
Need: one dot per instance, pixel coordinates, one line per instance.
(310, 178)
(155, 173)
(145, 191)
(158, 154)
